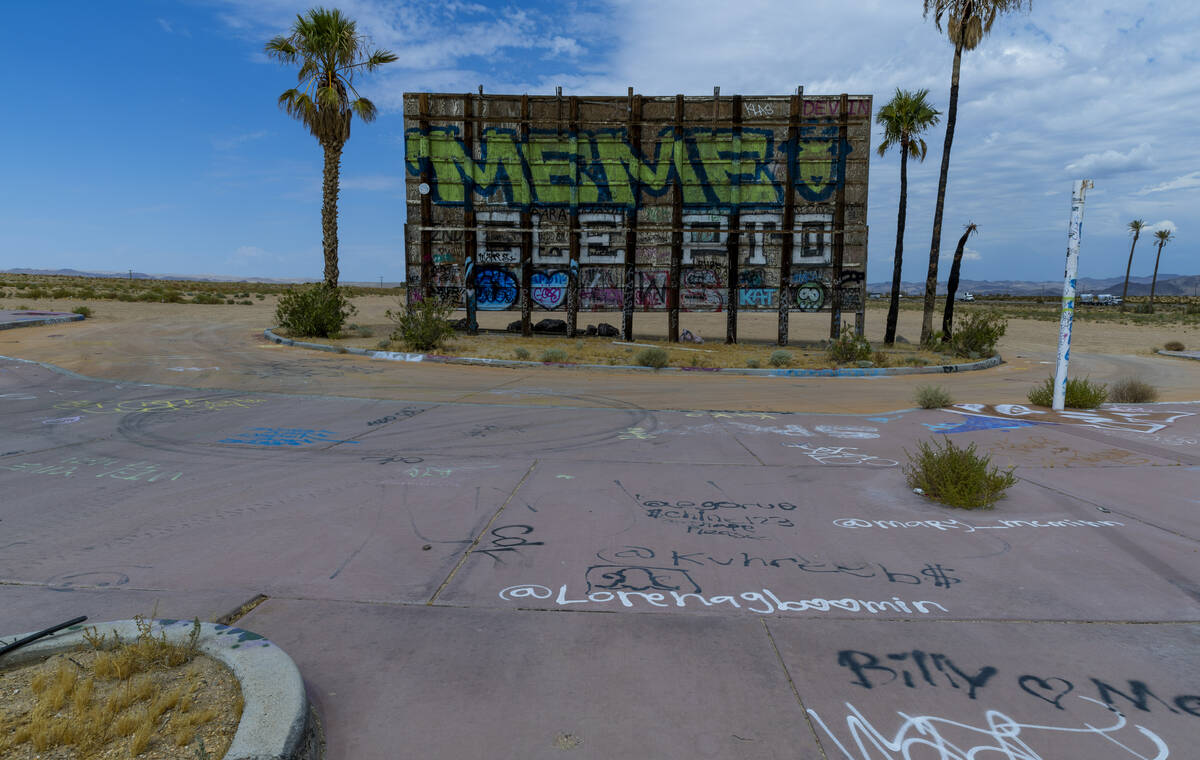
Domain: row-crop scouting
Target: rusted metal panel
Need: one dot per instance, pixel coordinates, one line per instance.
(690, 204)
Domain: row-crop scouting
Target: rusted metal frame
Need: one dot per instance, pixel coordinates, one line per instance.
(470, 236)
(426, 199)
(631, 235)
(839, 225)
(734, 239)
(789, 214)
(676, 233)
(573, 222)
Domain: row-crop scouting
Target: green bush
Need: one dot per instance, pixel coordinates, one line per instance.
(205, 298)
(59, 292)
(423, 325)
(1143, 308)
(1132, 391)
(932, 397)
(85, 311)
(849, 347)
(753, 363)
(780, 358)
(553, 356)
(955, 476)
(978, 332)
(652, 357)
(881, 359)
(316, 311)
(1080, 393)
(1173, 345)
(521, 353)
(1192, 308)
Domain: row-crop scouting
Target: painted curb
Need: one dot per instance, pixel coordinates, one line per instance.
(47, 321)
(1195, 355)
(275, 722)
(397, 356)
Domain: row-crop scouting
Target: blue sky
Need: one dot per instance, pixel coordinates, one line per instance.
(145, 135)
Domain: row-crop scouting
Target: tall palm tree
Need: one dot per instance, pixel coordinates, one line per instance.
(952, 284)
(1136, 227)
(904, 119)
(330, 51)
(1163, 237)
(968, 22)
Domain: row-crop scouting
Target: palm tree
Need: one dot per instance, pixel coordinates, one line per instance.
(952, 284)
(1163, 237)
(968, 22)
(330, 51)
(904, 118)
(1136, 227)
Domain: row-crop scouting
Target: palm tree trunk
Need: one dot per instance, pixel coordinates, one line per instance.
(952, 286)
(889, 335)
(1154, 282)
(936, 244)
(1125, 290)
(329, 213)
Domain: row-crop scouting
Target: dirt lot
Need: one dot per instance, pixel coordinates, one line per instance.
(221, 346)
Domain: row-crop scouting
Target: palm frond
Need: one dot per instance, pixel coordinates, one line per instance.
(364, 109)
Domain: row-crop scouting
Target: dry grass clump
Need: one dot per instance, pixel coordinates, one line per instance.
(115, 698)
(1132, 390)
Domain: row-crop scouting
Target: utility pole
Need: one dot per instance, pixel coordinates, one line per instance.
(1068, 300)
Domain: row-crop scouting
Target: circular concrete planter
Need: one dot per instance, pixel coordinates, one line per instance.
(276, 722)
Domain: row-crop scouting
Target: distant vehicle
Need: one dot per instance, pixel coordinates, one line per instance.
(1088, 298)
(1109, 298)
(968, 296)
(875, 295)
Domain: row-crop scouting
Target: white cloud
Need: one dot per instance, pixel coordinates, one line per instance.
(1165, 224)
(1110, 162)
(229, 143)
(166, 25)
(1189, 180)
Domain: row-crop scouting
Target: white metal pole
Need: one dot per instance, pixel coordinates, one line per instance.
(1068, 300)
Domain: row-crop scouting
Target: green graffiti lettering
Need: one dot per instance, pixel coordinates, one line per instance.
(603, 169)
(549, 157)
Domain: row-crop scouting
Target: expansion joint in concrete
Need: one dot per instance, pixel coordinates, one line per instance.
(483, 532)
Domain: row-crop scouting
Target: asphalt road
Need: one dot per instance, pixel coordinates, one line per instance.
(530, 570)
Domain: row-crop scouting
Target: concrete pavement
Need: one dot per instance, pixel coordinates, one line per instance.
(508, 567)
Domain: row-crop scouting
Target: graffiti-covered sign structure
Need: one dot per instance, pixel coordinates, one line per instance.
(723, 203)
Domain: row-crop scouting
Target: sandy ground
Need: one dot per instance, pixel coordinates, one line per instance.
(221, 346)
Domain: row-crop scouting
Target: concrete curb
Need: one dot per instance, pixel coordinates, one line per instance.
(275, 723)
(1195, 355)
(46, 321)
(395, 356)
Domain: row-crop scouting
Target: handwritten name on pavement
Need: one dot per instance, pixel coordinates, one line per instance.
(945, 525)
(937, 738)
(770, 603)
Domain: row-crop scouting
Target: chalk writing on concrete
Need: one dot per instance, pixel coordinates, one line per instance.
(1119, 418)
(998, 735)
(841, 455)
(635, 434)
(966, 527)
(917, 669)
(508, 538)
(141, 406)
(268, 436)
(763, 602)
(144, 472)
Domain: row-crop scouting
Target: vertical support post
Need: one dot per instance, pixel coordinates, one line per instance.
(1067, 320)
(469, 230)
(631, 236)
(795, 108)
(573, 222)
(526, 236)
(839, 224)
(676, 232)
(734, 238)
(426, 200)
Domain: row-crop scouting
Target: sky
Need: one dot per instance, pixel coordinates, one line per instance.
(145, 135)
